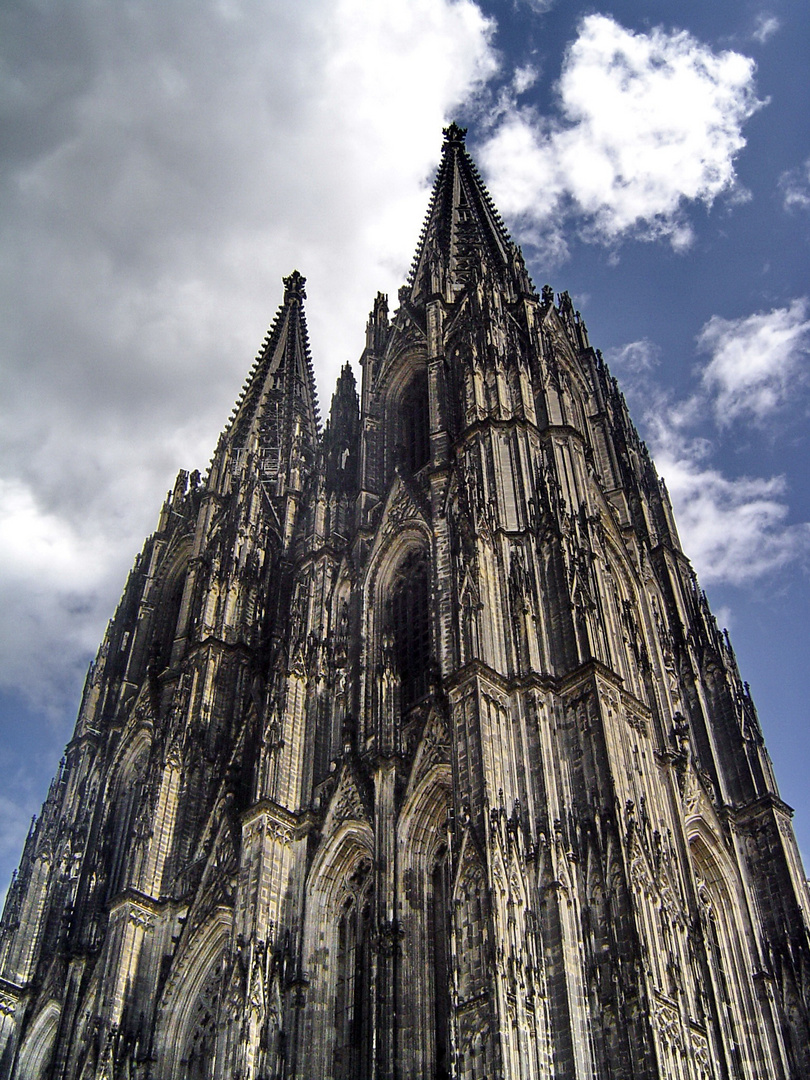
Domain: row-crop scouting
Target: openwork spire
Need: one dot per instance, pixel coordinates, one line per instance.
(453, 134)
(279, 396)
(294, 287)
(463, 231)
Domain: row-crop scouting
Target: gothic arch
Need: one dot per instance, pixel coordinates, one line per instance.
(627, 621)
(37, 1048)
(130, 753)
(424, 990)
(412, 535)
(169, 589)
(476, 1043)
(425, 811)
(721, 910)
(188, 1011)
(573, 399)
(337, 891)
(409, 599)
(565, 357)
(407, 413)
(334, 721)
(383, 649)
(125, 794)
(465, 383)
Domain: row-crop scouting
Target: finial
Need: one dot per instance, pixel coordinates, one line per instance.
(454, 135)
(294, 287)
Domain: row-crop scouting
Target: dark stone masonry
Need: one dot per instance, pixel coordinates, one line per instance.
(413, 749)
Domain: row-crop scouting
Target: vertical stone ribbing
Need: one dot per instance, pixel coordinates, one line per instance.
(240, 867)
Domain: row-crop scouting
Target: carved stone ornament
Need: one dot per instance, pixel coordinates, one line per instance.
(417, 728)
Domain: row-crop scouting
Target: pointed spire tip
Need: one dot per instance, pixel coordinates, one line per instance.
(294, 287)
(454, 135)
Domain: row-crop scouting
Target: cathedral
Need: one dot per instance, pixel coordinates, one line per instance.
(413, 749)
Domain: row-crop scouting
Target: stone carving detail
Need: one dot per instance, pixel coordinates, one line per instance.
(668, 1022)
(260, 854)
(8, 1003)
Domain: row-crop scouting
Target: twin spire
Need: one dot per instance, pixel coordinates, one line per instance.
(463, 231)
(463, 235)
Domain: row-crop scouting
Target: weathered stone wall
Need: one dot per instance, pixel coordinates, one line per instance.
(529, 829)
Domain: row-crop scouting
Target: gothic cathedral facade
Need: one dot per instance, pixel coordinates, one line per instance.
(413, 749)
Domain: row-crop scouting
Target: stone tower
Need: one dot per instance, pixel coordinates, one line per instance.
(413, 749)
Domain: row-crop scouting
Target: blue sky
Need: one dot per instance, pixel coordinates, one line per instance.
(162, 166)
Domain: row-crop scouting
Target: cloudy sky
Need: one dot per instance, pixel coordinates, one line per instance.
(163, 165)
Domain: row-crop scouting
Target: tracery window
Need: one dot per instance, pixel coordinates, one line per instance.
(415, 423)
(439, 954)
(37, 1050)
(165, 629)
(717, 959)
(724, 940)
(200, 1052)
(126, 801)
(410, 618)
(353, 1020)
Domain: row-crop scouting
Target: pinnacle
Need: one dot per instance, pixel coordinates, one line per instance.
(281, 376)
(454, 135)
(294, 287)
(462, 228)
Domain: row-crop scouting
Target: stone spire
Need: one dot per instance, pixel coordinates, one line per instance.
(276, 417)
(463, 231)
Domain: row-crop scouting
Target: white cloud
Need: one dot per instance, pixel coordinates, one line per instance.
(649, 123)
(795, 187)
(164, 166)
(766, 26)
(524, 78)
(635, 357)
(539, 7)
(55, 593)
(755, 361)
(734, 530)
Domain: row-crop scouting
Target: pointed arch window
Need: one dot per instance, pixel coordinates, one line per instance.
(200, 1054)
(353, 1020)
(439, 956)
(410, 618)
(121, 824)
(724, 938)
(167, 617)
(415, 422)
(717, 959)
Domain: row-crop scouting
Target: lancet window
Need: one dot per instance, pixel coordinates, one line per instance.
(415, 423)
(169, 605)
(200, 1054)
(722, 934)
(720, 975)
(410, 624)
(439, 955)
(126, 803)
(353, 1018)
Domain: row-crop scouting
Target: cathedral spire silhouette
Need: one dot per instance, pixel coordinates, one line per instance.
(463, 231)
(413, 748)
(275, 421)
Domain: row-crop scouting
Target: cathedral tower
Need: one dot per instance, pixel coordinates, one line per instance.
(413, 749)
